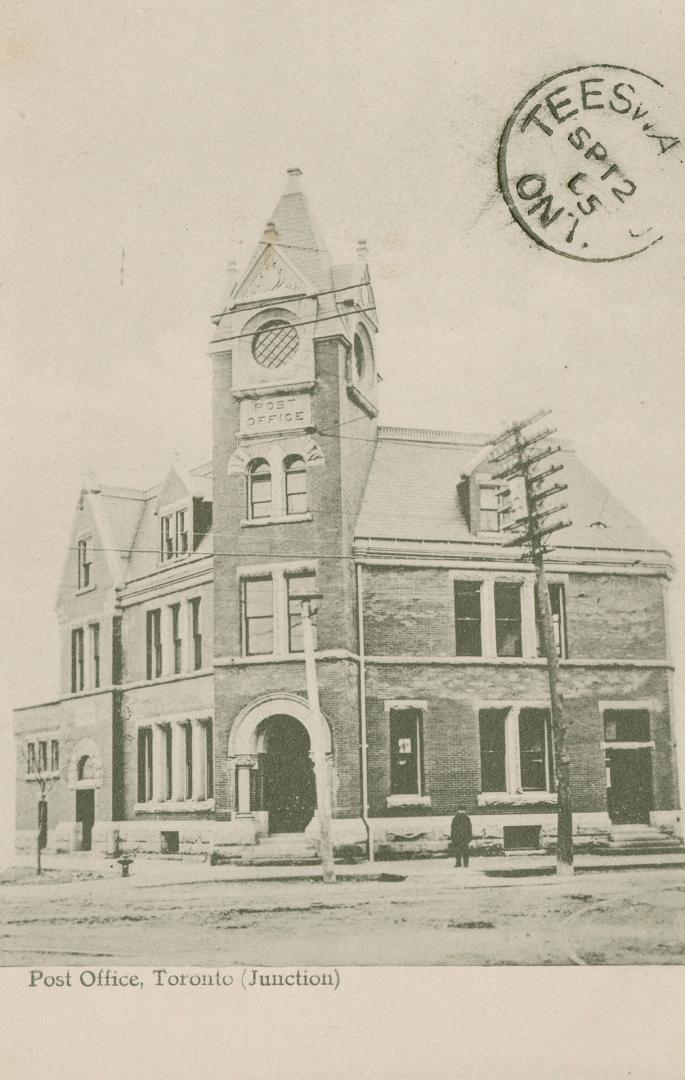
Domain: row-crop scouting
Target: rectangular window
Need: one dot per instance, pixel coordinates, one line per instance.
(31, 758)
(296, 487)
(42, 756)
(467, 617)
(195, 632)
(508, 618)
(406, 764)
(535, 749)
(188, 767)
(209, 758)
(177, 644)
(182, 546)
(626, 725)
(154, 643)
(558, 602)
(489, 508)
(54, 755)
(493, 771)
(77, 660)
(166, 539)
(299, 586)
(258, 616)
(95, 655)
(168, 761)
(84, 563)
(144, 764)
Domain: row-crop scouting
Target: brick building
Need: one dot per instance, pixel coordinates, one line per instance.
(182, 720)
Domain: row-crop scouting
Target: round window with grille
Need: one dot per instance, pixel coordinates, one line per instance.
(274, 344)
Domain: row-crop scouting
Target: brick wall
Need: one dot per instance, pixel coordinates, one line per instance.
(450, 728)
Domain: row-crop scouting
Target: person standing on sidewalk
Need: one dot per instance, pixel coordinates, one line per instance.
(461, 835)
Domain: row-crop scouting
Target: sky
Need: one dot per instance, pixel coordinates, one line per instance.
(146, 144)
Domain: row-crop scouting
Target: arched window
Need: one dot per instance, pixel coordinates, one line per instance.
(258, 489)
(295, 485)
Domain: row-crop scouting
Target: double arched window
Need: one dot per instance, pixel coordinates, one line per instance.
(282, 495)
(259, 490)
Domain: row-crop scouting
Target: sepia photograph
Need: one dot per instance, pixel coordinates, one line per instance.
(343, 438)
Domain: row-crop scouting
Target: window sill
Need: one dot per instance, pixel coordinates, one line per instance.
(173, 560)
(408, 800)
(518, 798)
(88, 588)
(54, 775)
(284, 519)
(185, 806)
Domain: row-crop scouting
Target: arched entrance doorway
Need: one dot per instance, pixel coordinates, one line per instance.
(284, 779)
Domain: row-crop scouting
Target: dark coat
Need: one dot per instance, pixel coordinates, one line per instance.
(461, 832)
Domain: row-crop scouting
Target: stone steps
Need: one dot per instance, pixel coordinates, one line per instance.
(282, 849)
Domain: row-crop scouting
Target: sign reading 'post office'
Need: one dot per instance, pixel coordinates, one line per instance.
(278, 413)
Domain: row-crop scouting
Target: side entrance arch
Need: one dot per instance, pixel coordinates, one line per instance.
(84, 776)
(270, 749)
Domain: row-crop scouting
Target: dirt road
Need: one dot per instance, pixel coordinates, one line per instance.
(634, 917)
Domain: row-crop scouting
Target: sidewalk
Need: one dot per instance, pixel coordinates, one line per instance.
(495, 870)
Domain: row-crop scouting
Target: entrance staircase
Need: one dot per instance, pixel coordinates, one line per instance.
(642, 840)
(280, 849)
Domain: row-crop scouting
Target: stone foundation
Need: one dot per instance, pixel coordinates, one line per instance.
(423, 836)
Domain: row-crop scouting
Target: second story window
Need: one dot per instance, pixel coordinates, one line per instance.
(467, 615)
(154, 643)
(558, 602)
(94, 655)
(298, 587)
(31, 758)
(85, 562)
(259, 490)
(176, 641)
(258, 616)
(42, 756)
(508, 618)
(54, 755)
(195, 633)
(77, 660)
(295, 472)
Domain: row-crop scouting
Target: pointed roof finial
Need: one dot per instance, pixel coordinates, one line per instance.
(270, 233)
(295, 171)
(362, 249)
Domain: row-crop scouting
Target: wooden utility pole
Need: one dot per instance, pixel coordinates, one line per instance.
(526, 458)
(323, 791)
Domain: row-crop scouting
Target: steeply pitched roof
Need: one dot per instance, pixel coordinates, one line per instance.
(411, 494)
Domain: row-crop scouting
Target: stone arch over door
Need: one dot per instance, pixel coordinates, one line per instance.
(85, 766)
(245, 743)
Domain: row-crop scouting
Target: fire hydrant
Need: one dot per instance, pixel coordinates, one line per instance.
(124, 862)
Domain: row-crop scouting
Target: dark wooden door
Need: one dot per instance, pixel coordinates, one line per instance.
(630, 794)
(85, 813)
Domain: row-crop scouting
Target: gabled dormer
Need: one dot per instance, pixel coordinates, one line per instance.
(184, 513)
(488, 503)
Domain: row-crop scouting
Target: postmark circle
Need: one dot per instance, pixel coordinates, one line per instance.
(590, 164)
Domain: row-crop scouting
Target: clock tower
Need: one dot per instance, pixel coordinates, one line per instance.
(295, 407)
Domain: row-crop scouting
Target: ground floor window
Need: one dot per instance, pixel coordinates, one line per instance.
(144, 764)
(406, 752)
(516, 749)
(627, 725)
(175, 761)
